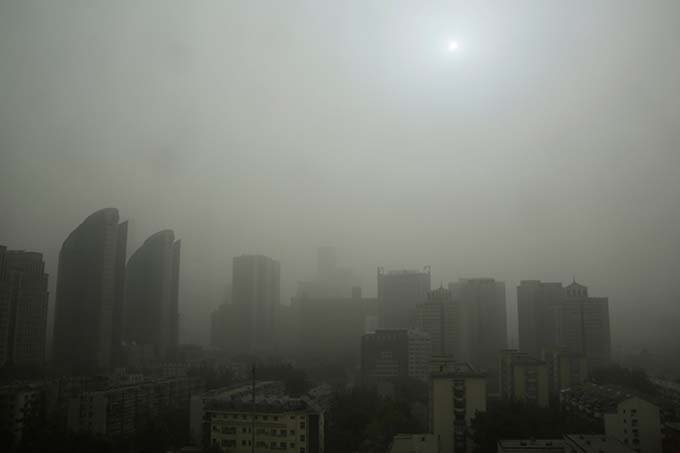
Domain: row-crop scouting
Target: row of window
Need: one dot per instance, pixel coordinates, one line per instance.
(257, 417)
(271, 445)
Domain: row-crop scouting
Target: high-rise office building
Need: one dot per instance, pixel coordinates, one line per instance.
(151, 293)
(90, 287)
(584, 325)
(438, 317)
(537, 312)
(395, 353)
(399, 292)
(482, 319)
(331, 281)
(256, 281)
(556, 318)
(23, 308)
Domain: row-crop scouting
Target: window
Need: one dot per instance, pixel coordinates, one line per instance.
(302, 437)
(302, 425)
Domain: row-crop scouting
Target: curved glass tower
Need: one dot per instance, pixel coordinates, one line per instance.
(90, 285)
(151, 312)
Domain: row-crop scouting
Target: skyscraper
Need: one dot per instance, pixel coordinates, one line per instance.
(395, 353)
(563, 319)
(398, 294)
(90, 286)
(537, 313)
(151, 311)
(23, 308)
(256, 281)
(584, 325)
(482, 319)
(438, 317)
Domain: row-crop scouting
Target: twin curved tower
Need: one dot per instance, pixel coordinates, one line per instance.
(101, 306)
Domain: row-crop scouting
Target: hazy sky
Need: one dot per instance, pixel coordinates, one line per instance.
(547, 147)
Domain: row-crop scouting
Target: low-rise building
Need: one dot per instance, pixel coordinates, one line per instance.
(570, 443)
(593, 443)
(523, 378)
(118, 411)
(234, 421)
(531, 446)
(625, 416)
(21, 406)
(414, 443)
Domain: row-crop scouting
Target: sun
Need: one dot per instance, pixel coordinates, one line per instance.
(454, 46)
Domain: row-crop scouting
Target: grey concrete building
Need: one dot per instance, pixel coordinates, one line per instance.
(399, 292)
(90, 291)
(23, 308)
(256, 282)
(151, 295)
(482, 319)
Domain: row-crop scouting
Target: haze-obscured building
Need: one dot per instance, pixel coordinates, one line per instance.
(584, 325)
(90, 291)
(482, 312)
(120, 410)
(438, 316)
(23, 309)
(330, 329)
(523, 378)
(395, 353)
(556, 318)
(256, 284)
(331, 281)
(399, 292)
(565, 369)
(537, 315)
(151, 296)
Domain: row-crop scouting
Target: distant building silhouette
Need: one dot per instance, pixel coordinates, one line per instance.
(330, 328)
(439, 318)
(90, 287)
(399, 292)
(256, 282)
(23, 308)
(556, 318)
(537, 312)
(395, 353)
(482, 319)
(151, 310)
(584, 325)
(331, 281)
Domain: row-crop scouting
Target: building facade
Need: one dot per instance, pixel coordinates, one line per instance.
(395, 353)
(23, 309)
(439, 318)
(537, 305)
(556, 318)
(233, 422)
(118, 411)
(90, 292)
(634, 420)
(399, 292)
(523, 378)
(483, 319)
(458, 393)
(151, 296)
(584, 325)
(256, 282)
